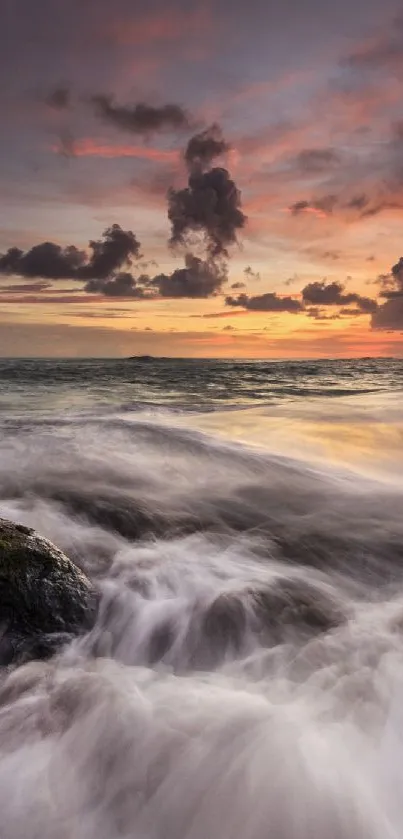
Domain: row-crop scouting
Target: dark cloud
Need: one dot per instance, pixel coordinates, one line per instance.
(46, 260)
(389, 315)
(149, 263)
(198, 279)
(9, 261)
(320, 314)
(299, 207)
(249, 274)
(333, 294)
(326, 204)
(380, 205)
(358, 202)
(317, 314)
(385, 281)
(140, 118)
(102, 269)
(223, 314)
(238, 286)
(391, 285)
(49, 261)
(211, 203)
(25, 288)
(317, 160)
(269, 302)
(205, 147)
(397, 274)
(349, 311)
(116, 248)
(365, 206)
(59, 98)
(382, 53)
(322, 294)
(122, 285)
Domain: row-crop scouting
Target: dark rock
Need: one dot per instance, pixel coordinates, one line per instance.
(44, 598)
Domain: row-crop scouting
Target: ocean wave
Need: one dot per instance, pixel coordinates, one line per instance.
(184, 384)
(243, 678)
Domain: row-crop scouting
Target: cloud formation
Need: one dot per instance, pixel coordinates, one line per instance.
(198, 279)
(250, 274)
(25, 288)
(324, 205)
(315, 296)
(317, 160)
(122, 285)
(211, 203)
(384, 197)
(334, 294)
(389, 315)
(46, 260)
(317, 314)
(205, 147)
(49, 261)
(382, 52)
(269, 302)
(59, 98)
(116, 248)
(392, 284)
(141, 118)
(100, 269)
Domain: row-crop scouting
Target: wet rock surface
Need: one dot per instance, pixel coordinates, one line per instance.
(44, 598)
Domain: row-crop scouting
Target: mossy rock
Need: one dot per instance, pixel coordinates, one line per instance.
(44, 597)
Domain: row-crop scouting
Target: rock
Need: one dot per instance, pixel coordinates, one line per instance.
(44, 598)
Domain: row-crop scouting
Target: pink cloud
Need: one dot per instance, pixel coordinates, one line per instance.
(90, 147)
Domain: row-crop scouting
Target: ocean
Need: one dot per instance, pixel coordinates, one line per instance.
(243, 522)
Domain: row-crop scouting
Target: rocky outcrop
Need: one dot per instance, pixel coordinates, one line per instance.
(44, 598)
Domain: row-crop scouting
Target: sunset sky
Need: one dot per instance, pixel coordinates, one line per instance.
(253, 149)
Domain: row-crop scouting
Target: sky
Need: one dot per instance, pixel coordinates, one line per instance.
(218, 179)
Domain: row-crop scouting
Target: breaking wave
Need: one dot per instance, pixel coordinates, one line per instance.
(244, 678)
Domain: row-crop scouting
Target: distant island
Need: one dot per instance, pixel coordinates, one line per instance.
(140, 358)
